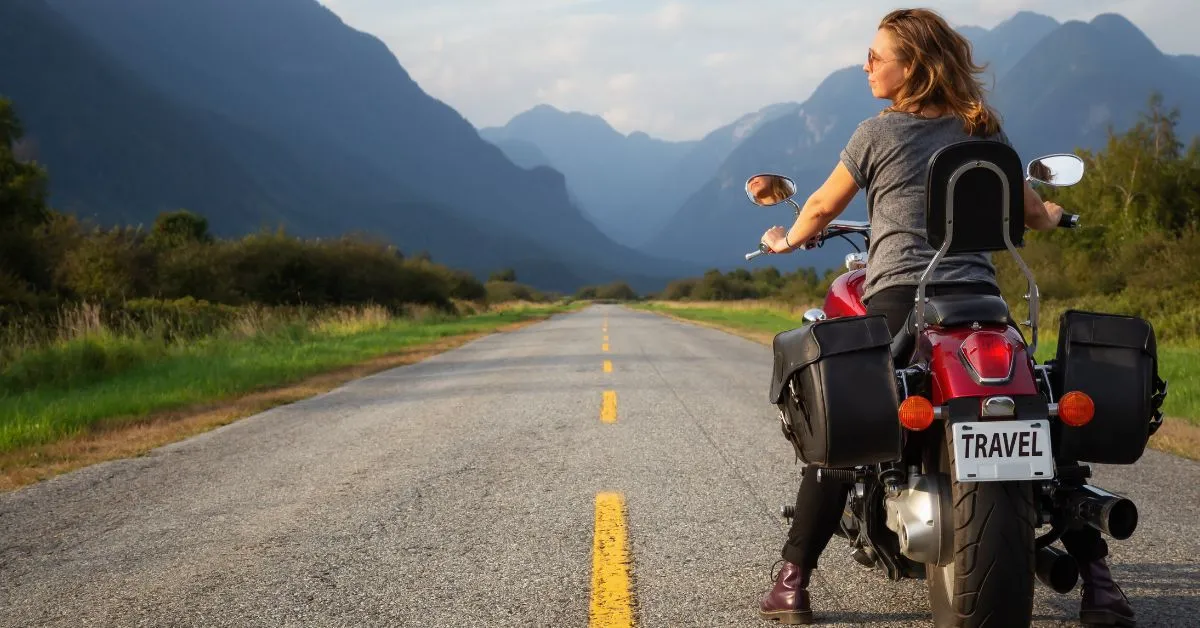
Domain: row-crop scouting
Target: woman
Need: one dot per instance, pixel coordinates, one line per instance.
(925, 69)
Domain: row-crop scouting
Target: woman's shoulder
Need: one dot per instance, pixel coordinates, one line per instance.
(886, 127)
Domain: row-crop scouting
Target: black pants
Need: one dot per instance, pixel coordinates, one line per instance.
(819, 505)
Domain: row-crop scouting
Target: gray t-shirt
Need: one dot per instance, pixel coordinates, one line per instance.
(889, 158)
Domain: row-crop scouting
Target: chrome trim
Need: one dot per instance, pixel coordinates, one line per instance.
(856, 261)
(1033, 297)
(1001, 405)
(902, 375)
(1045, 372)
(941, 413)
(815, 314)
(937, 258)
(849, 225)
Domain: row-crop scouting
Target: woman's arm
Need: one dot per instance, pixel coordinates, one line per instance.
(827, 203)
(1040, 215)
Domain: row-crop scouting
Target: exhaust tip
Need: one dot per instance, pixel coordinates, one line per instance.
(1122, 519)
(1057, 569)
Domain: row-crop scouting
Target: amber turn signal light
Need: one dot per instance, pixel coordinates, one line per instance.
(1076, 408)
(916, 413)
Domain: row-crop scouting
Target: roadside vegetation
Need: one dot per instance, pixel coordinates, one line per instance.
(104, 329)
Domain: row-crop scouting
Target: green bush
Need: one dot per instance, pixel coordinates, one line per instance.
(504, 291)
(180, 319)
(679, 290)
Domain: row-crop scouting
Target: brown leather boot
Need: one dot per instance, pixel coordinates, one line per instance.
(788, 602)
(1104, 603)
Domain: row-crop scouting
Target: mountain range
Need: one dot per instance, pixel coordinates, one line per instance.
(628, 185)
(275, 112)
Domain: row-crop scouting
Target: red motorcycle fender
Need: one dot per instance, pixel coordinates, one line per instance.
(950, 374)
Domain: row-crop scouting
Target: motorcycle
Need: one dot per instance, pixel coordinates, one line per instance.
(964, 458)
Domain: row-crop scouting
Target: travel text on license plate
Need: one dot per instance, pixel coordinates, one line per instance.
(1003, 450)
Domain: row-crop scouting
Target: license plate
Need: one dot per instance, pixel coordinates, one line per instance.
(995, 451)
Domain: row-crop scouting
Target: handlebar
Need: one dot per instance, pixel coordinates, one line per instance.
(840, 227)
(762, 250)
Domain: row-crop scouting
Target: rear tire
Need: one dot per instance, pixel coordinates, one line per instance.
(989, 584)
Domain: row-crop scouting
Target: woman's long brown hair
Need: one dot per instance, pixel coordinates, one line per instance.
(942, 71)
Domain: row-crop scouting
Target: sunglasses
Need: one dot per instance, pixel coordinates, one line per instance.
(872, 59)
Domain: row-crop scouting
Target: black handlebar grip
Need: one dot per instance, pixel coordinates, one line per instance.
(1068, 221)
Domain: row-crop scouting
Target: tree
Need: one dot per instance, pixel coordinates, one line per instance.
(617, 290)
(175, 229)
(506, 274)
(22, 210)
(22, 185)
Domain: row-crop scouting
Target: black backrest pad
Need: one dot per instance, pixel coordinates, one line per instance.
(979, 208)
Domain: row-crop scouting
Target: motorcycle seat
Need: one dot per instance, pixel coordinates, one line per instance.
(953, 310)
(950, 310)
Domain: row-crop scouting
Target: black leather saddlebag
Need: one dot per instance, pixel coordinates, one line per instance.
(1114, 359)
(835, 386)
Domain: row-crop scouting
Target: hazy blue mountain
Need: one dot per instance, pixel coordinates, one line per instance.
(1083, 79)
(338, 101)
(114, 147)
(1056, 93)
(699, 165)
(630, 185)
(1008, 42)
(613, 175)
(718, 224)
(525, 154)
(1190, 64)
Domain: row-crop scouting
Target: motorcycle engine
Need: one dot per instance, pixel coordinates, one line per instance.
(921, 517)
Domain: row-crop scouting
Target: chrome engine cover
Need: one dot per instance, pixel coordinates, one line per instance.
(923, 519)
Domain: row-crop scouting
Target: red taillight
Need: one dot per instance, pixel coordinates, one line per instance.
(990, 356)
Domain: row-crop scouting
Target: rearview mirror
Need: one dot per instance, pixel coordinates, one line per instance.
(769, 189)
(1057, 170)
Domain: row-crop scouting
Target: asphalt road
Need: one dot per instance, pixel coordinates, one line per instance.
(461, 491)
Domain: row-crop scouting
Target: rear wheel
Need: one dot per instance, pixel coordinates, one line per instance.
(990, 581)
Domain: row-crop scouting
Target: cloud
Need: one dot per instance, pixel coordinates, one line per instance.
(670, 16)
(716, 59)
(672, 69)
(622, 82)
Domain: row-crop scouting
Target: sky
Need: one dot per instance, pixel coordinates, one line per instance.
(675, 70)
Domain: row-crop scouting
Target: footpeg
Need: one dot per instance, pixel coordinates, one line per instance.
(787, 511)
(846, 476)
(865, 556)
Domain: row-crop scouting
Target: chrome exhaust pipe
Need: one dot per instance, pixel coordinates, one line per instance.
(1111, 514)
(1057, 569)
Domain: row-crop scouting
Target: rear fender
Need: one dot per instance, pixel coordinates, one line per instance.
(950, 378)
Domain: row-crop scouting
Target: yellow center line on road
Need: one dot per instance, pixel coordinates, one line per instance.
(605, 337)
(608, 407)
(612, 599)
(604, 347)
(608, 366)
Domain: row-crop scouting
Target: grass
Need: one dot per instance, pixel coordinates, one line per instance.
(102, 380)
(761, 320)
